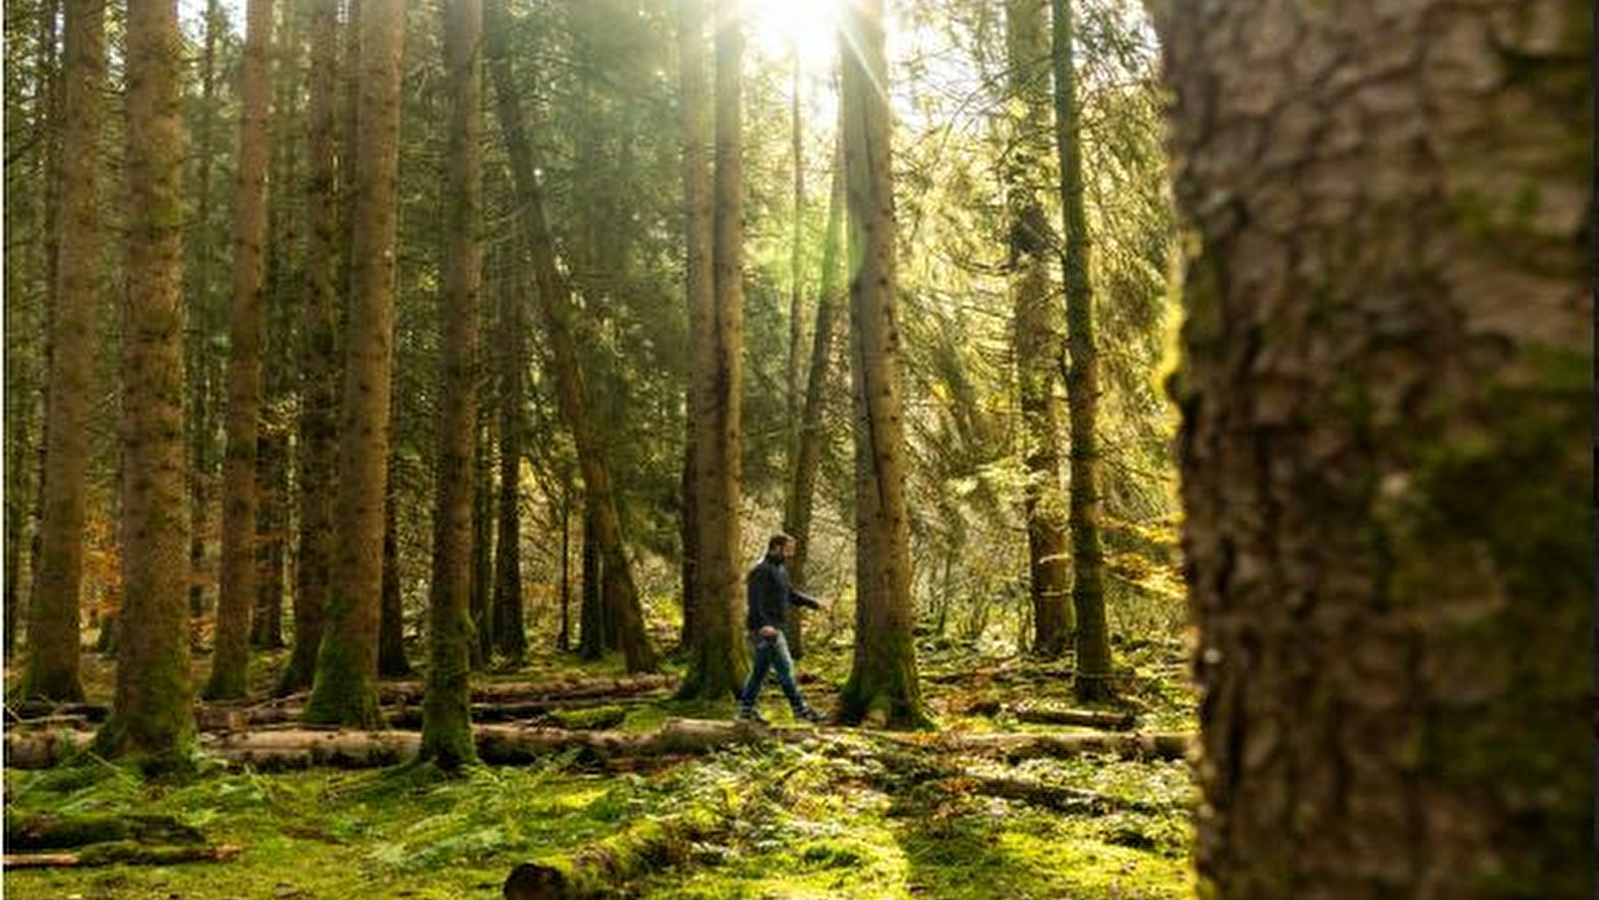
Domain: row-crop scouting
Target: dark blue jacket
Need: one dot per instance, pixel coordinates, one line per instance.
(770, 594)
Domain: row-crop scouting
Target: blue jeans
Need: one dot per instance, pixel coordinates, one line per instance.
(771, 653)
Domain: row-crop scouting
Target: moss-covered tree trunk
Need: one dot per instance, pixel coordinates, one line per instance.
(343, 691)
(446, 707)
(152, 713)
(799, 505)
(509, 631)
(556, 308)
(1036, 323)
(716, 301)
(1092, 679)
(1387, 396)
(53, 623)
(317, 446)
(882, 682)
(237, 589)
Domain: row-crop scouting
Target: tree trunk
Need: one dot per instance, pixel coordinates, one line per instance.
(800, 503)
(555, 304)
(343, 690)
(285, 293)
(272, 484)
(318, 426)
(592, 642)
(716, 302)
(510, 635)
(1092, 680)
(1036, 323)
(1388, 355)
(482, 540)
(230, 661)
(882, 682)
(563, 640)
(392, 662)
(201, 319)
(688, 525)
(446, 712)
(53, 629)
(152, 711)
(796, 271)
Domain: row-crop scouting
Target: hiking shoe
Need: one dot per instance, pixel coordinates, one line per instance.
(750, 715)
(811, 715)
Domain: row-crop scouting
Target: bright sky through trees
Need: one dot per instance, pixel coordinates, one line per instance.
(781, 26)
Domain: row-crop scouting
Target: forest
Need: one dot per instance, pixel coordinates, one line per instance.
(1147, 443)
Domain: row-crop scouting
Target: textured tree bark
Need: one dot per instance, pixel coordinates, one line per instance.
(272, 486)
(317, 446)
(236, 597)
(1036, 322)
(882, 682)
(201, 356)
(694, 119)
(793, 395)
(716, 333)
(446, 712)
(555, 305)
(1092, 679)
(593, 641)
(510, 636)
(1387, 361)
(347, 661)
(800, 503)
(482, 541)
(392, 662)
(152, 713)
(53, 626)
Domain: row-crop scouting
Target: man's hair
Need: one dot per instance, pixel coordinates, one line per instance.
(778, 540)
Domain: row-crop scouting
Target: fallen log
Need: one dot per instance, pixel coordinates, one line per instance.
(120, 853)
(646, 846)
(1060, 798)
(515, 744)
(45, 723)
(1038, 714)
(565, 688)
(34, 710)
(1011, 747)
(50, 831)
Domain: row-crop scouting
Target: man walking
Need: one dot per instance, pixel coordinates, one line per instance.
(770, 596)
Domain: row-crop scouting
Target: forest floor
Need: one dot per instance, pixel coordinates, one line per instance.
(822, 813)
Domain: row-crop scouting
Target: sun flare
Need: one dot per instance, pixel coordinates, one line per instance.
(779, 28)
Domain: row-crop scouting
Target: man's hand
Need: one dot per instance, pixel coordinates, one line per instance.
(768, 633)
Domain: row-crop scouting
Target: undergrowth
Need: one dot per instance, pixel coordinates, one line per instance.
(815, 820)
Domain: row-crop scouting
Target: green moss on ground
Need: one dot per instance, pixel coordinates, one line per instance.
(803, 822)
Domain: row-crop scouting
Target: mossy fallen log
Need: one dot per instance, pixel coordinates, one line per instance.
(1017, 746)
(1059, 798)
(516, 744)
(52, 831)
(26, 711)
(544, 690)
(1043, 714)
(647, 846)
(125, 853)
